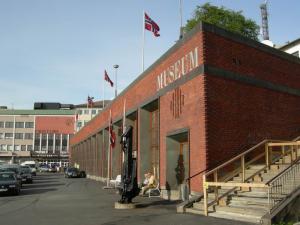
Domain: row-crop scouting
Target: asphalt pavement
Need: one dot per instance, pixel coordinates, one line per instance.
(55, 200)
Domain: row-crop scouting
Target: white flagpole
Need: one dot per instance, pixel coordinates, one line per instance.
(124, 124)
(103, 94)
(143, 43)
(108, 157)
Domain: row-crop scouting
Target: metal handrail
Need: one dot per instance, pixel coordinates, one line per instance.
(283, 171)
(281, 188)
(268, 156)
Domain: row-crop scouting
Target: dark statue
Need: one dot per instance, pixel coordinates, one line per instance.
(129, 185)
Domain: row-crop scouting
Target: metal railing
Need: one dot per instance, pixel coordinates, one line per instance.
(263, 155)
(283, 185)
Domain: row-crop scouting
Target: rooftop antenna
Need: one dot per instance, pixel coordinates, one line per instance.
(264, 16)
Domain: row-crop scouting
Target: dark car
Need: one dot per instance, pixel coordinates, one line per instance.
(13, 168)
(26, 174)
(9, 183)
(82, 174)
(72, 172)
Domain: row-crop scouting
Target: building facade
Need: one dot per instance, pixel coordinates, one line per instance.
(292, 48)
(211, 96)
(85, 113)
(42, 135)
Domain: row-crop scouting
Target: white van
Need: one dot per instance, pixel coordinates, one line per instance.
(33, 166)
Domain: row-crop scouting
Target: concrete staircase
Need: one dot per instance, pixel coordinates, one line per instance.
(247, 204)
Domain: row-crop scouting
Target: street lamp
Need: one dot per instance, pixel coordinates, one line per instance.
(116, 82)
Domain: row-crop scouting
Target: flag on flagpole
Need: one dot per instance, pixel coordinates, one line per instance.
(106, 78)
(90, 101)
(151, 25)
(112, 138)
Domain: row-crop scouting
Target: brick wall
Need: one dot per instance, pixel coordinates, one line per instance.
(240, 115)
(193, 118)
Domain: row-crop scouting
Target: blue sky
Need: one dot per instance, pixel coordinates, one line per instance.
(57, 50)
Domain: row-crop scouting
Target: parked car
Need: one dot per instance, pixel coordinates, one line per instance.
(9, 183)
(13, 168)
(44, 168)
(52, 169)
(72, 172)
(26, 174)
(82, 174)
(33, 166)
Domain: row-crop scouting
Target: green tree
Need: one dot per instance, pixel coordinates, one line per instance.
(224, 18)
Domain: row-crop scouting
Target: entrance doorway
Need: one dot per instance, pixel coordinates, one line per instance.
(178, 163)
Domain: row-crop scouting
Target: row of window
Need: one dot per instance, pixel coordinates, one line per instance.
(21, 136)
(16, 148)
(88, 111)
(81, 123)
(10, 124)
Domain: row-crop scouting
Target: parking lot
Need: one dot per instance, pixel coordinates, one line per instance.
(53, 199)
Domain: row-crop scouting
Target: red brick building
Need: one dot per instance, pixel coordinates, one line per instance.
(208, 98)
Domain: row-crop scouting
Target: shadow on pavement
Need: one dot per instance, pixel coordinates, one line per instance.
(37, 185)
(36, 191)
(156, 203)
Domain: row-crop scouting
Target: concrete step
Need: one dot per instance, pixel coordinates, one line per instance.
(252, 194)
(194, 211)
(200, 206)
(250, 206)
(243, 211)
(247, 201)
(236, 217)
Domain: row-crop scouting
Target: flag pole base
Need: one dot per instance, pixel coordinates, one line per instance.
(108, 187)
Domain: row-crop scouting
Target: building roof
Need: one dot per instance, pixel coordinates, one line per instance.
(290, 44)
(97, 104)
(36, 112)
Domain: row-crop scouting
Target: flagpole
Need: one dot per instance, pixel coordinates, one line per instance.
(103, 95)
(143, 42)
(124, 124)
(108, 155)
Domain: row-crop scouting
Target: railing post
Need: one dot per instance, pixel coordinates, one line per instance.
(205, 195)
(216, 187)
(267, 155)
(243, 168)
(283, 154)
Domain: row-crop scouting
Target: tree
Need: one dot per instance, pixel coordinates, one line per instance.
(224, 18)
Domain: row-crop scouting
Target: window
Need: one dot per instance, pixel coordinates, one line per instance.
(3, 147)
(19, 124)
(23, 147)
(29, 147)
(296, 54)
(17, 147)
(79, 124)
(1, 124)
(1, 135)
(79, 112)
(9, 147)
(9, 124)
(86, 111)
(28, 136)
(86, 122)
(99, 110)
(19, 136)
(8, 135)
(29, 124)
(94, 111)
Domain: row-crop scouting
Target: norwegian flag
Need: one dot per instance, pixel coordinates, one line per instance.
(112, 139)
(151, 26)
(90, 101)
(106, 77)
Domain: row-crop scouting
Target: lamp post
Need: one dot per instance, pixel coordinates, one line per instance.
(116, 82)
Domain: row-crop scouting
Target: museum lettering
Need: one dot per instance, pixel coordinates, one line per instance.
(180, 68)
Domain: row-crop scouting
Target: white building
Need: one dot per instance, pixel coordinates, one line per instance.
(292, 48)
